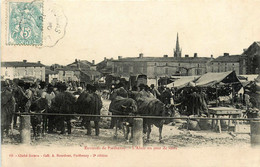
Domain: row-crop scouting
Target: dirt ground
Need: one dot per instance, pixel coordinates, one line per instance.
(173, 135)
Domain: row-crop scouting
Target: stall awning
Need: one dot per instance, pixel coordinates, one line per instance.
(183, 82)
(211, 79)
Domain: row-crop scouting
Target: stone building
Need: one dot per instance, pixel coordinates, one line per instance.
(225, 63)
(78, 71)
(21, 69)
(160, 66)
(105, 66)
(165, 66)
(250, 59)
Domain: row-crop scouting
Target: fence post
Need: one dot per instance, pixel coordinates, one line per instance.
(25, 129)
(255, 133)
(138, 132)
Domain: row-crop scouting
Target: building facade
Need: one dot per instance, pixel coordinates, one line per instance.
(160, 66)
(250, 59)
(225, 63)
(13, 70)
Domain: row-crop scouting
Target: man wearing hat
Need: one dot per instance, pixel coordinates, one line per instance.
(89, 102)
(64, 103)
(155, 92)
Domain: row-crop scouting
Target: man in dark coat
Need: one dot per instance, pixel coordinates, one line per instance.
(89, 102)
(64, 103)
(7, 109)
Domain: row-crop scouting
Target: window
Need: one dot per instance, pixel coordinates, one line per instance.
(125, 69)
(131, 69)
(198, 71)
(141, 69)
(166, 71)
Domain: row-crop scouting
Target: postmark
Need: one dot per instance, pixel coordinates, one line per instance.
(25, 23)
(55, 23)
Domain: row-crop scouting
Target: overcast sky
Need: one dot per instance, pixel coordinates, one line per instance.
(110, 29)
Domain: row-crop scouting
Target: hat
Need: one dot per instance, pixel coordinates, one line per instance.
(62, 86)
(91, 87)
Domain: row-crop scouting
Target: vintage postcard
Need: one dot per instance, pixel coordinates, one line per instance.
(130, 83)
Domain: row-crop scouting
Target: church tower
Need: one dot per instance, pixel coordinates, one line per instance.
(177, 50)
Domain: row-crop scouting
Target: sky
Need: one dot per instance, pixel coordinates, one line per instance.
(110, 29)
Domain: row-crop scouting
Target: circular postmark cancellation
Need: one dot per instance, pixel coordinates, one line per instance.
(55, 23)
(36, 23)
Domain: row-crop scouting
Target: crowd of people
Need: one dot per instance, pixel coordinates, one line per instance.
(69, 98)
(48, 98)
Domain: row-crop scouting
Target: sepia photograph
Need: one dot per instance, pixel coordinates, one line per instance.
(130, 83)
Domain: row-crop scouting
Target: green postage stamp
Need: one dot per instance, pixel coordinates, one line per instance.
(24, 22)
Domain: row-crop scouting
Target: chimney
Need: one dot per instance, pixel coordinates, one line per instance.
(141, 55)
(25, 61)
(119, 57)
(93, 62)
(165, 55)
(78, 64)
(195, 55)
(105, 58)
(39, 62)
(244, 50)
(76, 60)
(186, 55)
(226, 54)
(211, 56)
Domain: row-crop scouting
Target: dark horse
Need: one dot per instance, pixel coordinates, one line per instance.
(90, 103)
(38, 106)
(63, 103)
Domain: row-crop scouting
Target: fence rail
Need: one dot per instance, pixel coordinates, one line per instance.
(139, 116)
(138, 121)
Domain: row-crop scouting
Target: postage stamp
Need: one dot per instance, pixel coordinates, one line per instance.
(25, 23)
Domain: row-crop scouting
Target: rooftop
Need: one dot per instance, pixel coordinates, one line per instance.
(48, 71)
(21, 64)
(163, 59)
(81, 63)
(231, 58)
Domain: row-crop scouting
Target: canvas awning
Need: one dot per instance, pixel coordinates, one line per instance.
(183, 82)
(211, 79)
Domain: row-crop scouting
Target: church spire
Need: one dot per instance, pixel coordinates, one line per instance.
(177, 43)
(177, 51)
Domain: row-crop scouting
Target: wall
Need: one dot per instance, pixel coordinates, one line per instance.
(153, 69)
(20, 72)
(7, 73)
(224, 67)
